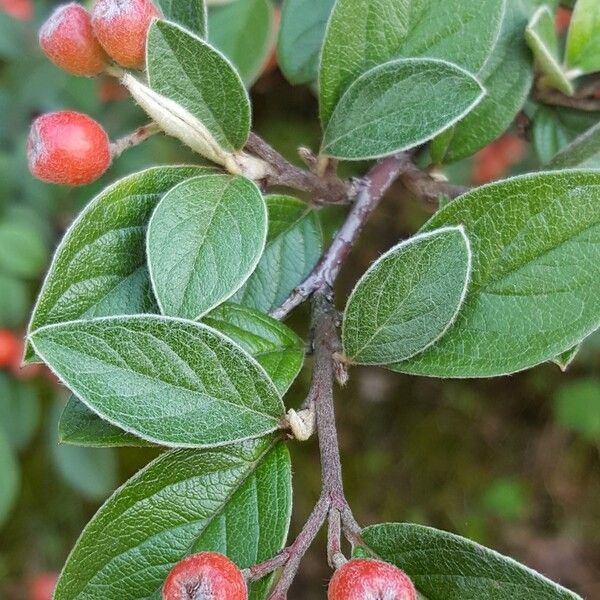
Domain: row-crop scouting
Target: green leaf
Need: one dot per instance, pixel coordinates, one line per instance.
(14, 307)
(564, 359)
(582, 152)
(365, 33)
(383, 110)
(243, 32)
(168, 381)
(554, 128)
(408, 299)
(99, 268)
(22, 251)
(274, 346)
(235, 500)
(205, 239)
(543, 41)
(583, 40)
(90, 471)
(187, 70)
(301, 33)
(9, 477)
(80, 426)
(294, 246)
(507, 76)
(444, 566)
(190, 14)
(19, 411)
(536, 267)
(577, 407)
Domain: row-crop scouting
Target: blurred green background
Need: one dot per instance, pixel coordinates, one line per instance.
(513, 463)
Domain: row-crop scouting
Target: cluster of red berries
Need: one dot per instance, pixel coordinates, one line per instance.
(212, 576)
(71, 148)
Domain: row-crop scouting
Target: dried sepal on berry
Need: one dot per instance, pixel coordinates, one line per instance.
(205, 576)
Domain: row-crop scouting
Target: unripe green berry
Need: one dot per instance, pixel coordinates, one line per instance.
(68, 40)
(366, 579)
(67, 148)
(205, 576)
(121, 26)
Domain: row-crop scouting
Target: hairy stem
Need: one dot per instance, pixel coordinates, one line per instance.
(328, 189)
(371, 190)
(141, 134)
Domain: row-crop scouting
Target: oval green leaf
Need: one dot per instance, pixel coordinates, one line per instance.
(99, 268)
(543, 40)
(364, 33)
(274, 346)
(294, 246)
(444, 566)
(583, 40)
(301, 33)
(507, 76)
(169, 381)
(205, 239)
(189, 71)
(582, 152)
(235, 500)
(536, 266)
(243, 32)
(81, 426)
(383, 111)
(190, 14)
(408, 298)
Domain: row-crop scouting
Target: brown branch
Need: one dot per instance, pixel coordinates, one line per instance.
(370, 191)
(427, 188)
(141, 134)
(585, 97)
(328, 189)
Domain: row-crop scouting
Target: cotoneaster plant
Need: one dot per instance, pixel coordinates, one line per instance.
(163, 309)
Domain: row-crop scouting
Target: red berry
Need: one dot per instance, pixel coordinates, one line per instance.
(67, 148)
(68, 40)
(121, 26)
(364, 579)
(205, 576)
(19, 9)
(10, 348)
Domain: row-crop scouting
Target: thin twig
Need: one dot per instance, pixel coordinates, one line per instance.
(427, 188)
(298, 549)
(371, 190)
(141, 134)
(328, 189)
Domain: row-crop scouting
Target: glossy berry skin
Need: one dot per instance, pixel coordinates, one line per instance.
(121, 26)
(205, 576)
(67, 148)
(365, 579)
(10, 348)
(68, 40)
